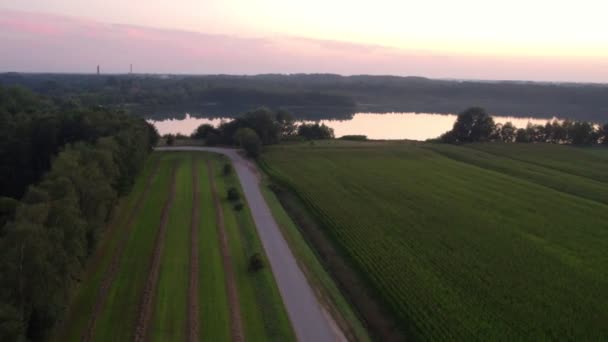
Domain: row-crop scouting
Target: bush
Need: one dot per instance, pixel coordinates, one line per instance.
(227, 169)
(213, 139)
(233, 194)
(203, 131)
(354, 137)
(170, 139)
(238, 207)
(256, 263)
(315, 131)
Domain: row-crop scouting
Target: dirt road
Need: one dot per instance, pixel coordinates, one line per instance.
(307, 317)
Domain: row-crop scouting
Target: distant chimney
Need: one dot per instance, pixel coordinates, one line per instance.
(98, 70)
(131, 70)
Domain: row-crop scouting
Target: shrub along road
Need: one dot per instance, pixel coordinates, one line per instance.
(308, 318)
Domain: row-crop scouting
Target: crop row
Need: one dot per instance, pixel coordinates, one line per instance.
(456, 251)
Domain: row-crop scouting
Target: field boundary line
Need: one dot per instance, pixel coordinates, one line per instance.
(193, 310)
(549, 167)
(112, 270)
(236, 323)
(145, 307)
(528, 180)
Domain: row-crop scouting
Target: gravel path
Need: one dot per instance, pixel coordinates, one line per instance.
(306, 314)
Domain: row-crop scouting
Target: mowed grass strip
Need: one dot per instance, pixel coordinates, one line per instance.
(213, 300)
(193, 265)
(117, 321)
(169, 318)
(237, 331)
(264, 316)
(81, 307)
(456, 251)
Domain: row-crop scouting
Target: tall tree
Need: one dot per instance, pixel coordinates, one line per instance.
(472, 125)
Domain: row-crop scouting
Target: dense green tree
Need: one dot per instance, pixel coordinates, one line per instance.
(249, 140)
(264, 123)
(508, 132)
(286, 121)
(582, 133)
(314, 131)
(472, 125)
(522, 136)
(63, 171)
(202, 131)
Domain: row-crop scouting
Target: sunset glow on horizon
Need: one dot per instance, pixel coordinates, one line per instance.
(547, 40)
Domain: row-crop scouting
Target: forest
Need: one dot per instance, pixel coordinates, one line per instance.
(63, 169)
(319, 96)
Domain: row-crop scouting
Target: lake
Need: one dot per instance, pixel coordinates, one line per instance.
(412, 126)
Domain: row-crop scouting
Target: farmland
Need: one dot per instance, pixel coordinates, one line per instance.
(139, 284)
(473, 242)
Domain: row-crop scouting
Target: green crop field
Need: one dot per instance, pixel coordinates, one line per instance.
(116, 316)
(476, 242)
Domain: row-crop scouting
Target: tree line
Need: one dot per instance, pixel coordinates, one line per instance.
(341, 95)
(475, 125)
(63, 169)
(144, 94)
(259, 127)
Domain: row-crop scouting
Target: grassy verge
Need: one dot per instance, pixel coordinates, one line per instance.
(169, 318)
(85, 294)
(117, 321)
(264, 316)
(322, 282)
(213, 300)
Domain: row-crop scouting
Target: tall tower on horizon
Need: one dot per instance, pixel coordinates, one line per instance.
(98, 70)
(131, 69)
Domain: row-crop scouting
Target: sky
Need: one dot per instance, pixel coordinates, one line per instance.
(467, 39)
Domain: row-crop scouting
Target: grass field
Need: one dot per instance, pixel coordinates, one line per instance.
(479, 242)
(263, 314)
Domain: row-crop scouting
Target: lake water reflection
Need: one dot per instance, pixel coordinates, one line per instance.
(412, 126)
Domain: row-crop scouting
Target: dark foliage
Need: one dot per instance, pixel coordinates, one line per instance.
(233, 195)
(249, 140)
(315, 131)
(256, 263)
(227, 169)
(203, 131)
(169, 139)
(63, 168)
(318, 96)
(354, 137)
(474, 125)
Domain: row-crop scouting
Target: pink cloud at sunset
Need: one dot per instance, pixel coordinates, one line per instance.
(35, 42)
